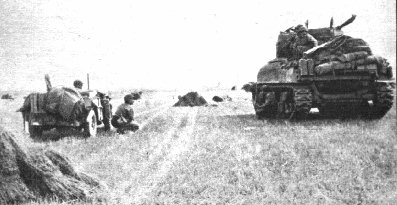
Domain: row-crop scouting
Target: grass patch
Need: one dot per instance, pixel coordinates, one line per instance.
(224, 155)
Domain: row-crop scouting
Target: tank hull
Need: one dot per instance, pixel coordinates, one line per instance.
(283, 92)
(372, 100)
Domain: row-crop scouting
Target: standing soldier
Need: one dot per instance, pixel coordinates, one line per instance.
(123, 118)
(107, 110)
(302, 42)
(104, 100)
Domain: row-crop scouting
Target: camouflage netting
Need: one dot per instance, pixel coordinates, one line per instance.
(38, 174)
(190, 99)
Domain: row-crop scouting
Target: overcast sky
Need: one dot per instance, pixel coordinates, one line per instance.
(166, 44)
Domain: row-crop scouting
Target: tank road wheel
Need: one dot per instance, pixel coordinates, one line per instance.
(383, 102)
(302, 103)
(285, 103)
(90, 126)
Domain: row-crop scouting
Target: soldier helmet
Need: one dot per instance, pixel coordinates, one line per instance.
(78, 84)
(300, 28)
(104, 95)
(129, 97)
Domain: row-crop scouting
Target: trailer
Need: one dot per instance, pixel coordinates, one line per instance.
(37, 119)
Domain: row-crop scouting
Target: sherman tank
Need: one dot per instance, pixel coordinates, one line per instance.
(340, 77)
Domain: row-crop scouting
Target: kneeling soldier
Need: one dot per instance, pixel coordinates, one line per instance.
(123, 118)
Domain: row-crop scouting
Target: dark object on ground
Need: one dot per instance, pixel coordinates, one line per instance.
(341, 78)
(37, 174)
(234, 88)
(190, 99)
(217, 99)
(7, 97)
(221, 99)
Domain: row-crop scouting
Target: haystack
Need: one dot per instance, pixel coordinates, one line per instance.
(249, 87)
(190, 99)
(38, 174)
(7, 97)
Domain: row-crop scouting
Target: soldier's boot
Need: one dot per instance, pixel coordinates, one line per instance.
(133, 126)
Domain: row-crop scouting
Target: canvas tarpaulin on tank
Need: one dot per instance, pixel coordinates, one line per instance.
(340, 45)
(370, 62)
(352, 56)
(327, 68)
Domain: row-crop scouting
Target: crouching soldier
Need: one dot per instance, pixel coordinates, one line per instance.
(123, 118)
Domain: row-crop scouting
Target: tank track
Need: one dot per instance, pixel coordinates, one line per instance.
(383, 102)
(380, 105)
(302, 102)
(297, 105)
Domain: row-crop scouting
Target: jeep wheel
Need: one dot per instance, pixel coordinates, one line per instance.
(90, 126)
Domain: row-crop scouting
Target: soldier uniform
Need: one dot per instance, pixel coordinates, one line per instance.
(302, 42)
(123, 118)
(104, 100)
(107, 110)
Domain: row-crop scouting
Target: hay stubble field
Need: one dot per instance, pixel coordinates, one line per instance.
(224, 155)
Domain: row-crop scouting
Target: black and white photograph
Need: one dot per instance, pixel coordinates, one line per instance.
(198, 102)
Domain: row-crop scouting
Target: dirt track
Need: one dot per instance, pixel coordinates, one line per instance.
(176, 142)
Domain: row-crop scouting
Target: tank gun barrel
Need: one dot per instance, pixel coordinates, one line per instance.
(347, 22)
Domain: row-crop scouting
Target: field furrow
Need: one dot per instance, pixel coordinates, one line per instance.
(177, 146)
